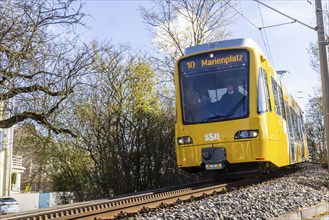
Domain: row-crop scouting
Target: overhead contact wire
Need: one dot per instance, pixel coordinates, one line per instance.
(302, 23)
(243, 16)
(254, 25)
(265, 41)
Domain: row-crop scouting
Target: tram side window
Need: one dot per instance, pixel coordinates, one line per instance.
(295, 123)
(289, 119)
(267, 91)
(261, 101)
(300, 128)
(264, 101)
(276, 96)
(296, 126)
(291, 122)
(281, 103)
(302, 123)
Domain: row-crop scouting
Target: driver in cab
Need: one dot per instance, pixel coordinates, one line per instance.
(229, 103)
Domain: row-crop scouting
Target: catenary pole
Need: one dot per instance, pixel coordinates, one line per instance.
(324, 70)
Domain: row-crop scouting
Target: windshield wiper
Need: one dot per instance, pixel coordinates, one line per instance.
(230, 113)
(219, 116)
(236, 107)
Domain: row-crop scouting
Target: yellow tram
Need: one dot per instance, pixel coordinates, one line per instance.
(233, 113)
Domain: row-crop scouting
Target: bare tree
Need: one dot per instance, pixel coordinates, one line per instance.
(37, 151)
(315, 131)
(40, 64)
(315, 115)
(178, 24)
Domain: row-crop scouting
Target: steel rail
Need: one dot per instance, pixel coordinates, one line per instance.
(136, 203)
(77, 210)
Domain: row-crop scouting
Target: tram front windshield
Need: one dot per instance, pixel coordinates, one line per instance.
(214, 86)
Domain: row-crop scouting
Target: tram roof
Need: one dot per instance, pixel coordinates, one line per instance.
(240, 42)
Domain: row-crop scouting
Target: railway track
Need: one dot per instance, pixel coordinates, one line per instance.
(124, 206)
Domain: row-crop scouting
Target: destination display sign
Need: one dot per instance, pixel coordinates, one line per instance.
(215, 59)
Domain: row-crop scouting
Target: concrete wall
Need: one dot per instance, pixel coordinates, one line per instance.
(27, 201)
(30, 201)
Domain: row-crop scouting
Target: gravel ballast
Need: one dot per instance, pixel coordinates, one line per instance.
(304, 188)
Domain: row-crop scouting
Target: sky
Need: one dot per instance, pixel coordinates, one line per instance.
(120, 21)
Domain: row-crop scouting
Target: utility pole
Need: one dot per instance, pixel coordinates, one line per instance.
(324, 70)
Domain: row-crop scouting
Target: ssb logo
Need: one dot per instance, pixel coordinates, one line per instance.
(211, 137)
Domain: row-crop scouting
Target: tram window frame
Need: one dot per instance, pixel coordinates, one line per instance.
(277, 107)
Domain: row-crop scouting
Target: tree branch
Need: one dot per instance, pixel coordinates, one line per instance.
(15, 91)
(38, 117)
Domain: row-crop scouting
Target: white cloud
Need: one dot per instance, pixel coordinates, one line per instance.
(181, 29)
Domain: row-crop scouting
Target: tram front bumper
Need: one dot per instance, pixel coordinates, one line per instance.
(214, 158)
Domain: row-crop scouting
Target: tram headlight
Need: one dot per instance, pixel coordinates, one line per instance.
(246, 134)
(184, 140)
